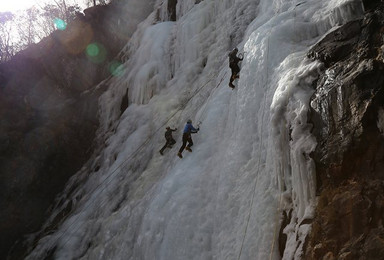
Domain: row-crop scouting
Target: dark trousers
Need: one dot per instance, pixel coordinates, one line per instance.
(186, 139)
(169, 142)
(235, 71)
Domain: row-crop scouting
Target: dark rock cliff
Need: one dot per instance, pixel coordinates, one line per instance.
(48, 109)
(347, 114)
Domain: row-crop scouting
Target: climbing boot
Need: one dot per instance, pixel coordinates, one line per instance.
(188, 149)
(179, 154)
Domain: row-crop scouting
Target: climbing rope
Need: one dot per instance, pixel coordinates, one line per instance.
(98, 189)
(258, 167)
(259, 162)
(210, 95)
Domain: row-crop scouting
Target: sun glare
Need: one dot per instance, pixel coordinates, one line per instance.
(15, 5)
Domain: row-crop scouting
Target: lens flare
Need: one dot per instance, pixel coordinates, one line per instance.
(115, 68)
(60, 24)
(93, 50)
(96, 52)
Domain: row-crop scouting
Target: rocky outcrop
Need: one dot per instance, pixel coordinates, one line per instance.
(49, 116)
(350, 153)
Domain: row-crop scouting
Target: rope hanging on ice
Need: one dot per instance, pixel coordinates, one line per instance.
(99, 189)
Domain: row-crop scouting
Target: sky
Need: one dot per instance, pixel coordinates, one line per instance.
(16, 5)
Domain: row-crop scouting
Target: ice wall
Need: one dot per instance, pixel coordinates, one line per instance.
(251, 159)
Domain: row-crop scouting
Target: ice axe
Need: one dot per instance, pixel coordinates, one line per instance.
(241, 54)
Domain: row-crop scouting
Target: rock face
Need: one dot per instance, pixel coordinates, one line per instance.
(347, 111)
(49, 115)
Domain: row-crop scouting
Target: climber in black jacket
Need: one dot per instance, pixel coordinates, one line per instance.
(233, 64)
(169, 139)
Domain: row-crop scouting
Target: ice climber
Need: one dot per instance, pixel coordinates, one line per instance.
(233, 64)
(188, 130)
(169, 139)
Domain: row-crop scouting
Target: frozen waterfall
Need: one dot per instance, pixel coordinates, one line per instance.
(251, 158)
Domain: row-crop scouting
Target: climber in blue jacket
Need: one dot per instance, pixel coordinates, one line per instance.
(187, 138)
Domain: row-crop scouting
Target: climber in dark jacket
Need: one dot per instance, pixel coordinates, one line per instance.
(233, 64)
(187, 138)
(169, 139)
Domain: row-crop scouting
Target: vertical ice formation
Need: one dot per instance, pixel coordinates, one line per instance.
(251, 159)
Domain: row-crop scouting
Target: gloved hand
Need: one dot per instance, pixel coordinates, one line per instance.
(198, 129)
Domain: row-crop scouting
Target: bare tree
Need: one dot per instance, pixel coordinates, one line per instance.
(27, 27)
(54, 12)
(18, 31)
(64, 11)
(7, 48)
(46, 24)
(96, 2)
